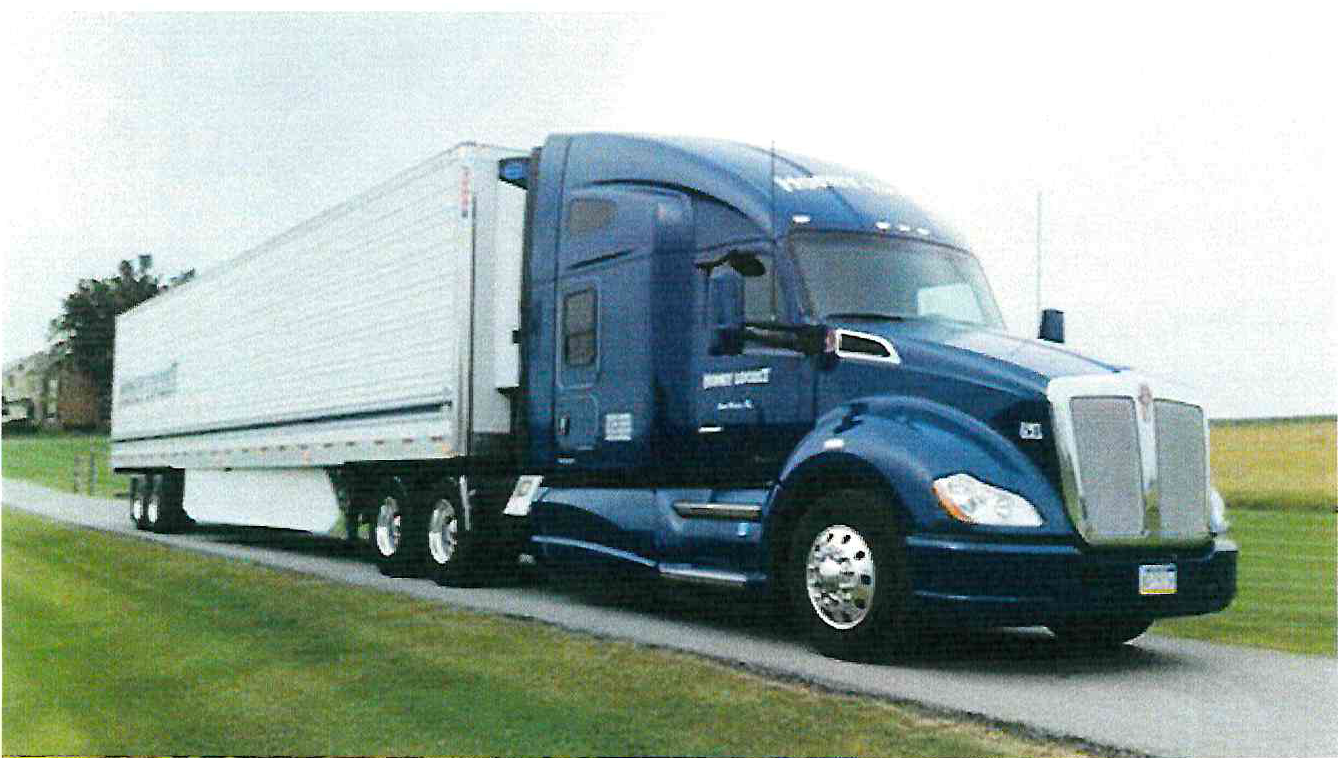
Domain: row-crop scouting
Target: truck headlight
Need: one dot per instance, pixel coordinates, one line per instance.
(970, 500)
(1217, 520)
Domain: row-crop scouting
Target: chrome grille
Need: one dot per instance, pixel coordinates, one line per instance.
(1133, 459)
(1106, 432)
(1182, 477)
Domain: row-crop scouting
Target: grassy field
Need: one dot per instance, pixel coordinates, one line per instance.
(60, 460)
(1277, 464)
(115, 646)
(1286, 597)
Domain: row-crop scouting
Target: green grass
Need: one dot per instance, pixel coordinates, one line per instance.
(60, 460)
(113, 645)
(1286, 586)
(1277, 464)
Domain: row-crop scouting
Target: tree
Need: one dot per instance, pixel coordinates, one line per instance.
(85, 331)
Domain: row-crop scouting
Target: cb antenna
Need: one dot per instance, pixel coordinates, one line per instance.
(773, 191)
(1038, 254)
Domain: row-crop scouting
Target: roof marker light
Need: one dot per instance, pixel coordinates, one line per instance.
(923, 232)
(882, 226)
(802, 219)
(903, 227)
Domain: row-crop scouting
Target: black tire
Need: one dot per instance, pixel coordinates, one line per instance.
(399, 530)
(153, 504)
(139, 490)
(1099, 633)
(852, 602)
(485, 555)
(163, 513)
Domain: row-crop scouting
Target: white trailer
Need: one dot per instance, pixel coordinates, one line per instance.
(378, 331)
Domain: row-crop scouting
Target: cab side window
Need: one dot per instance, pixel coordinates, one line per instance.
(761, 300)
(580, 321)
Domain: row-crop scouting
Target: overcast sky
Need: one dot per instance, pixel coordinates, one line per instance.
(1185, 163)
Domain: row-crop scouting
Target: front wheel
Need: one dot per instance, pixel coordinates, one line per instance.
(847, 575)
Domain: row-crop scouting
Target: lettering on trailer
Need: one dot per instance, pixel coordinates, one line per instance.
(138, 389)
(737, 378)
(832, 181)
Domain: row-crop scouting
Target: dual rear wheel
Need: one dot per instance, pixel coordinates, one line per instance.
(155, 503)
(425, 535)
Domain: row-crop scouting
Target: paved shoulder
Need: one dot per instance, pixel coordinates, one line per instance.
(1158, 695)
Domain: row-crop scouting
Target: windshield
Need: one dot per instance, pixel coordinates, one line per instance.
(869, 276)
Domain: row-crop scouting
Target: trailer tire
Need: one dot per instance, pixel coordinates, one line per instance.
(398, 530)
(847, 576)
(163, 513)
(153, 504)
(1099, 634)
(139, 489)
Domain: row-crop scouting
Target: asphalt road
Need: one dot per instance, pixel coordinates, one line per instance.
(1157, 695)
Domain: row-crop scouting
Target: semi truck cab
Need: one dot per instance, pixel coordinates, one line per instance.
(758, 370)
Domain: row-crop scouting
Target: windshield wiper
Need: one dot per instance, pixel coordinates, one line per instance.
(874, 315)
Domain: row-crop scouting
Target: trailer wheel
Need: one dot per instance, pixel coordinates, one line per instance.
(847, 575)
(139, 487)
(153, 504)
(1099, 634)
(398, 532)
(162, 507)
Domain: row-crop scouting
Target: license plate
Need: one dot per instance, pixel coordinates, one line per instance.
(1156, 579)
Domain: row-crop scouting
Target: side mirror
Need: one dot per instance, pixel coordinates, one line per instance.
(1052, 325)
(724, 301)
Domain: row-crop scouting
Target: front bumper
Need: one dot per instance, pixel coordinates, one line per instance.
(993, 584)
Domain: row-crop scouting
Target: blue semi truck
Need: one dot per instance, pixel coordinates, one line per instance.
(688, 359)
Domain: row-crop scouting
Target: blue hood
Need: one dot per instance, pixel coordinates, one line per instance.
(994, 358)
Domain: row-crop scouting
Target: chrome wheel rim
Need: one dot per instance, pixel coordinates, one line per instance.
(840, 577)
(137, 507)
(388, 524)
(442, 532)
(151, 509)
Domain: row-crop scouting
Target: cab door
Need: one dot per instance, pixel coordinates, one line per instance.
(753, 408)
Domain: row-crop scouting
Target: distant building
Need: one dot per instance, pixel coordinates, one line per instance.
(38, 393)
(30, 389)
